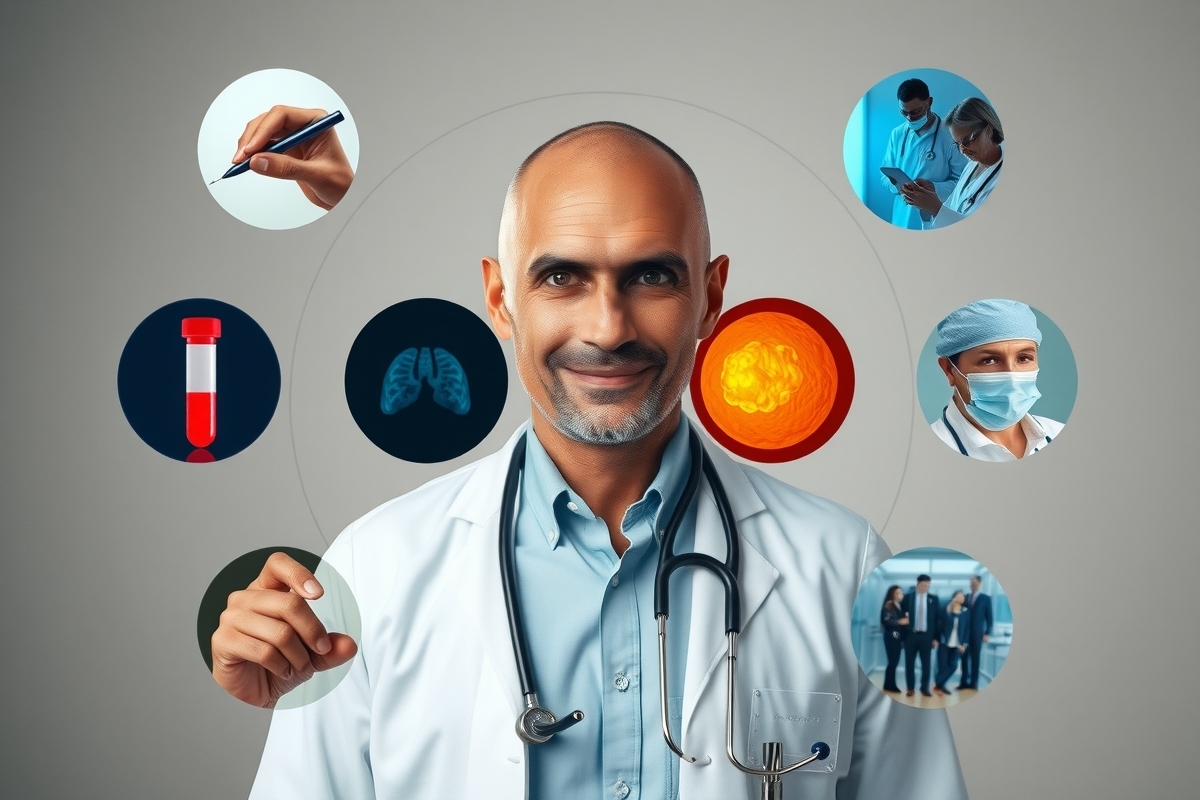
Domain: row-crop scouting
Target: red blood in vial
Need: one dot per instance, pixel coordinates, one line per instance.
(201, 418)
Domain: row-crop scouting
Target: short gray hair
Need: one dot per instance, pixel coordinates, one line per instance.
(975, 113)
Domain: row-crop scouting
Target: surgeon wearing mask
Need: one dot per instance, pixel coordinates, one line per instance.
(988, 351)
(922, 148)
(604, 281)
(977, 134)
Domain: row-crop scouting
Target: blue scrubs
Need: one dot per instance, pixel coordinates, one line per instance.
(908, 150)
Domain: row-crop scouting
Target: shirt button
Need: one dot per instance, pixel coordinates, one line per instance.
(621, 790)
(572, 506)
(621, 681)
(616, 580)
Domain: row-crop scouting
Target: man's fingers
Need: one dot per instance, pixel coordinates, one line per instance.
(276, 633)
(232, 648)
(285, 607)
(342, 650)
(278, 165)
(251, 127)
(277, 123)
(283, 573)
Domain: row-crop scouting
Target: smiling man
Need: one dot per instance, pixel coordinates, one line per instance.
(604, 282)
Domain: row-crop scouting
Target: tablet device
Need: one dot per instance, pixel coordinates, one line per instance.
(897, 176)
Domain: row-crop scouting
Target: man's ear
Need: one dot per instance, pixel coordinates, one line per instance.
(715, 275)
(493, 297)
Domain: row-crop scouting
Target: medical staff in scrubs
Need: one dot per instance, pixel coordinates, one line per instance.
(604, 280)
(988, 351)
(977, 134)
(922, 148)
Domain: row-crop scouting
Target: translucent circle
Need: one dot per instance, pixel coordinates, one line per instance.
(336, 609)
(1057, 382)
(424, 229)
(877, 136)
(963, 663)
(256, 199)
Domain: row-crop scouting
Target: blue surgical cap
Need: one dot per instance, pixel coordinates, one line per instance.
(984, 322)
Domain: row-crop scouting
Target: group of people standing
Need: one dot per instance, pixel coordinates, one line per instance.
(919, 625)
(953, 163)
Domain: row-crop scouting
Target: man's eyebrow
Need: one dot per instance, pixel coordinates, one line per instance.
(549, 262)
(666, 260)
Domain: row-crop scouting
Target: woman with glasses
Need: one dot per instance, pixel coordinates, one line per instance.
(976, 132)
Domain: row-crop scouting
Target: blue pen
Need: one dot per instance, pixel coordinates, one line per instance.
(288, 142)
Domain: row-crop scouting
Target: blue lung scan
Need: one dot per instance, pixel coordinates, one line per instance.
(403, 379)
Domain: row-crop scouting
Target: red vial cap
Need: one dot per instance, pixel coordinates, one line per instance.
(201, 327)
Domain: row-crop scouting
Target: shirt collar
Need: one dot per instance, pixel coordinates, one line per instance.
(1035, 435)
(546, 494)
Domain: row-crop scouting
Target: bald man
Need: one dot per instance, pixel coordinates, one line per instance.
(604, 282)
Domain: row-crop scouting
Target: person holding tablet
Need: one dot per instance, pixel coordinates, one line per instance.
(988, 351)
(921, 148)
(976, 132)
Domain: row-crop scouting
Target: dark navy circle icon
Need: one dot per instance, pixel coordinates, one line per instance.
(198, 380)
(426, 380)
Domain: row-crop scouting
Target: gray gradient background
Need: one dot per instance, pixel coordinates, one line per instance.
(108, 547)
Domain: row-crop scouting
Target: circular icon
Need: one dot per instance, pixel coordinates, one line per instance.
(774, 381)
(426, 380)
(1007, 385)
(923, 149)
(167, 380)
(305, 139)
(931, 627)
(336, 608)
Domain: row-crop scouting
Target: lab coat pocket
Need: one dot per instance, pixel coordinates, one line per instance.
(798, 720)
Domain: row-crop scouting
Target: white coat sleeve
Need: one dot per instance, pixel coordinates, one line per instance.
(899, 751)
(889, 160)
(321, 751)
(957, 162)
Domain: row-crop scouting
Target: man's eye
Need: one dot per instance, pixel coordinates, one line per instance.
(654, 278)
(560, 278)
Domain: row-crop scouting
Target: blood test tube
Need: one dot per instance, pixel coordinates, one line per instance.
(201, 334)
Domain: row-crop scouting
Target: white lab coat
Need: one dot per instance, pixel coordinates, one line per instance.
(906, 151)
(429, 705)
(972, 189)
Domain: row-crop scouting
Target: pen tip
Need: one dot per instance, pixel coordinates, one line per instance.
(210, 183)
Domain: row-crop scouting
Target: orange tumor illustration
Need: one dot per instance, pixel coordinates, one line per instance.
(769, 380)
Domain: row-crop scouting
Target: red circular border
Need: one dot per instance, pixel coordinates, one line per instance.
(841, 399)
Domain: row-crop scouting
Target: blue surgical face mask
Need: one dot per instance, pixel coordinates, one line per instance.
(1000, 399)
(917, 124)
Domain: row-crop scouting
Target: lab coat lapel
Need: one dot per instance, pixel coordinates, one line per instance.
(479, 503)
(706, 635)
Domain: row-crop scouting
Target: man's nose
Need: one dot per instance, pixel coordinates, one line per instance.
(609, 322)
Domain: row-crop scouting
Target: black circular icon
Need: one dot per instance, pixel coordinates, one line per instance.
(426, 380)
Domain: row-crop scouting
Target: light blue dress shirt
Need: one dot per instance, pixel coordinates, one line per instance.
(591, 633)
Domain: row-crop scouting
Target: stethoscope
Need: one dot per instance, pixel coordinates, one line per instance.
(958, 441)
(537, 724)
(986, 181)
(937, 128)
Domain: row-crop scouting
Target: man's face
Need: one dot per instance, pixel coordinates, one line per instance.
(607, 291)
(923, 587)
(1016, 355)
(975, 584)
(914, 110)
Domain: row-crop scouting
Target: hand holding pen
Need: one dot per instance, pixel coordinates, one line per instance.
(318, 164)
